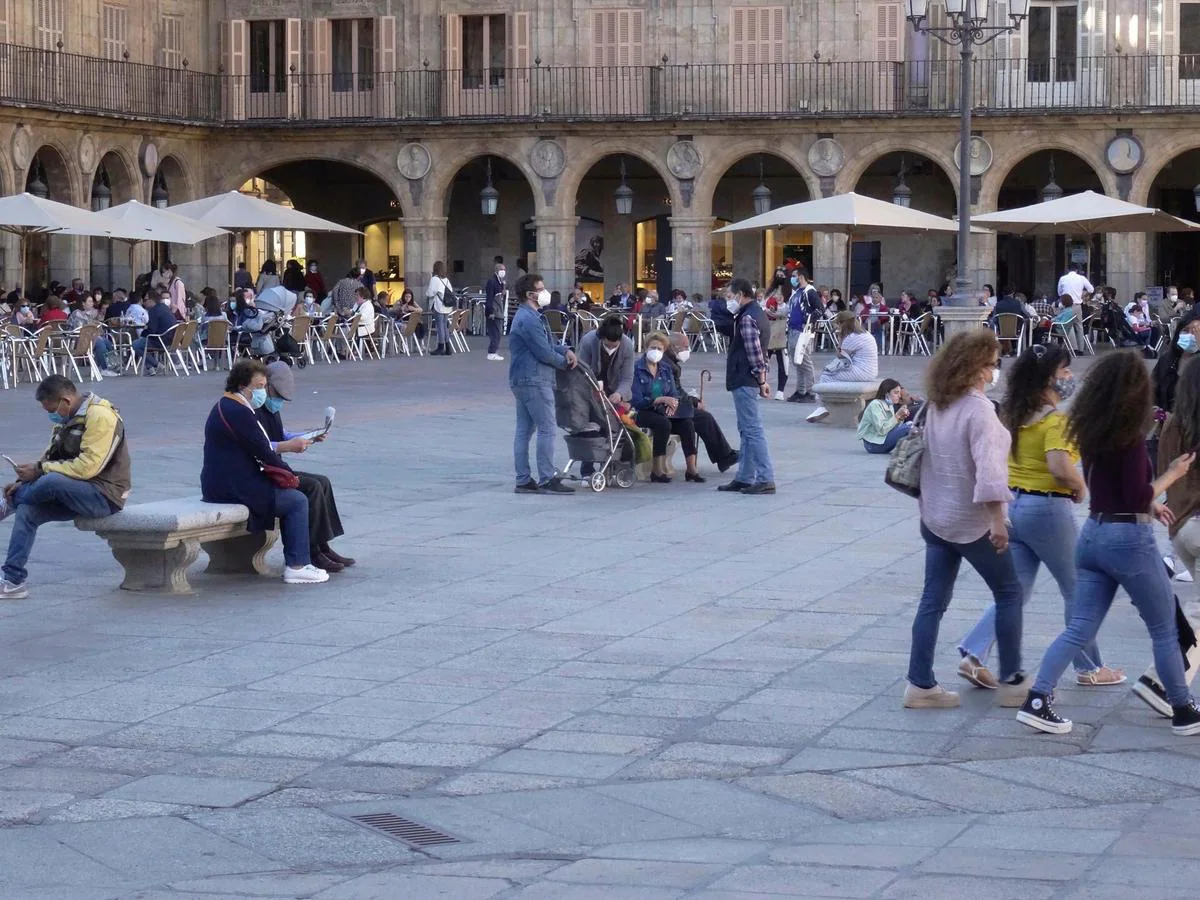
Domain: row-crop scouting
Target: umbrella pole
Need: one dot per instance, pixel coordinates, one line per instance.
(849, 263)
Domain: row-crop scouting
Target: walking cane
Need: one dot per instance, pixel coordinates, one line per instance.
(705, 375)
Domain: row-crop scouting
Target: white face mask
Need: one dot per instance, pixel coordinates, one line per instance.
(654, 355)
(362, 270)
(610, 350)
(732, 305)
(683, 355)
(543, 298)
(995, 379)
(501, 275)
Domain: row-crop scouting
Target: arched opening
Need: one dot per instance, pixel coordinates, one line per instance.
(1176, 189)
(1032, 265)
(339, 192)
(752, 185)
(906, 262)
(489, 208)
(112, 184)
(45, 257)
(624, 233)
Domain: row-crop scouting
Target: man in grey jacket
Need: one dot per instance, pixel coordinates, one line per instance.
(608, 352)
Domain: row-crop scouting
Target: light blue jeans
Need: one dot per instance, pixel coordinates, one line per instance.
(754, 467)
(1043, 531)
(1109, 556)
(535, 411)
(51, 498)
(890, 440)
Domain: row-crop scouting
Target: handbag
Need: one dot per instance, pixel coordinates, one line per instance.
(283, 478)
(904, 465)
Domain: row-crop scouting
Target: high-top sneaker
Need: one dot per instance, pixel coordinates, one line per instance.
(1038, 713)
(1186, 719)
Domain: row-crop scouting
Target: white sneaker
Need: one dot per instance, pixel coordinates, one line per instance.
(1184, 576)
(817, 414)
(10, 591)
(779, 395)
(495, 357)
(309, 574)
(111, 373)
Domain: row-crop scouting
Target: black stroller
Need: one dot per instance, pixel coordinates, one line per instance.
(595, 435)
(270, 332)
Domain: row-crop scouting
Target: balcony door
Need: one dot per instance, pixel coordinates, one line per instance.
(1052, 65)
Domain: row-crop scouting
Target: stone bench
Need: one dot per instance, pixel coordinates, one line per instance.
(845, 400)
(155, 543)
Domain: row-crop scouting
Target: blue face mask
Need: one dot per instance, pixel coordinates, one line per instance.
(274, 404)
(1186, 342)
(57, 419)
(258, 397)
(795, 281)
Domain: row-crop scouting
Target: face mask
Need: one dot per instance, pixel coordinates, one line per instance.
(732, 305)
(543, 298)
(362, 270)
(654, 355)
(501, 275)
(258, 397)
(1065, 387)
(995, 376)
(610, 350)
(273, 404)
(57, 418)
(1186, 342)
(683, 355)
(312, 268)
(795, 282)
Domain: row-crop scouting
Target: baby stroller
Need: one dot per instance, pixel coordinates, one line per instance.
(270, 337)
(594, 433)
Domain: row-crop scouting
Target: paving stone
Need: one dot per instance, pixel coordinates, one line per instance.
(557, 764)
(18, 806)
(698, 850)
(816, 880)
(558, 891)
(923, 887)
(379, 779)
(986, 836)
(584, 742)
(623, 872)
(960, 789)
(880, 856)
(845, 798)
(100, 810)
(274, 884)
(390, 885)
(305, 746)
(992, 863)
(33, 858)
(472, 783)
(191, 791)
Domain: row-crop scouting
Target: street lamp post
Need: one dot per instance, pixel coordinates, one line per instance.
(967, 28)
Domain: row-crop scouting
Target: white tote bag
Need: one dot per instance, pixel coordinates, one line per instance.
(804, 345)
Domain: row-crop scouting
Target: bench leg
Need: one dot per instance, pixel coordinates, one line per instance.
(157, 571)
(245, 555)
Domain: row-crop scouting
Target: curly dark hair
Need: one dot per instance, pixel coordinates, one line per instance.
(1027, 381)
(242, 374)
(1112, 410)
(955, 369)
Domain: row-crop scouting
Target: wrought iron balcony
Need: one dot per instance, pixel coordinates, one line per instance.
(801, 90)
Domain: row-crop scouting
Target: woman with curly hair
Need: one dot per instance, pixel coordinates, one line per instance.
(1045, 483)
(1108, 423)
(964, 496)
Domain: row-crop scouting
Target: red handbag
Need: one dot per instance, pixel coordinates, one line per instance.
(283, 478)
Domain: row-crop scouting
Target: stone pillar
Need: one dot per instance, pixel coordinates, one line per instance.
(424, 244)
(691, 253)
(956, 319)
(1127, 263)
(982, 261)
(829, 261)
(70, 257)
(555, 252)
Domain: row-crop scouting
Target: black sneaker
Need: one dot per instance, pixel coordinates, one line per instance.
(761, 487)
(1152, 694)
(1038, 713)
(556, 486)
(529, 487)
(1186, 719)
(796, 398)
(735, 486)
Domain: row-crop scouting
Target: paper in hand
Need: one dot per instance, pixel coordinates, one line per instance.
(330, 412)
(9, 460)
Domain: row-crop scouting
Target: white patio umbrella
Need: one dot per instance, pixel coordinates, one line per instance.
(1083, 215)
(242, 212)
(154, 224)
(853, 215)
(24, 214)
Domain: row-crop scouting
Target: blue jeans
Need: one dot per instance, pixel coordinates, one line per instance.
(139, 347)
(942, 560)
(1109, 556)
(442, 322)
(51, 498)
(1043, 531)
(890, 440)
(535, 410)
(754, 467)
(291, 507)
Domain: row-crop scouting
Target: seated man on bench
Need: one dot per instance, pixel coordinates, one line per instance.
(84, 472)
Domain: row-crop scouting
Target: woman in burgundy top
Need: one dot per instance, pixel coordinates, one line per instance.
(1108, 423)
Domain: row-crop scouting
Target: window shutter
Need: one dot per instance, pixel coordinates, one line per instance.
(772, 22)
(113, 19)
(4, 14)
(172, 41)
(637, 36)
(385, 40)
(887, 32)
(319, 47)
(739, 16)
(452, 42)
(48, 27)
(604, 37)
(937, 19)
(1170, 18)
(237, 66)
(1092, 40)
(522, 43)
(293, 64)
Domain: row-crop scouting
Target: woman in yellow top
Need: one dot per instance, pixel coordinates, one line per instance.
(1045, 483)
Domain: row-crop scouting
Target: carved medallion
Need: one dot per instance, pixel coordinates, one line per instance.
(414, 161)
(547, 159)
(826, 157)
(684, 160)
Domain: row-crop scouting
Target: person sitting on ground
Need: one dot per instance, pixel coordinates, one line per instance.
(85, 471)
(52, 311)
(324, 522)
(884, 421)
(708, 430)
(662, 408)
(235, 451)
(857, 359)
(160, 321)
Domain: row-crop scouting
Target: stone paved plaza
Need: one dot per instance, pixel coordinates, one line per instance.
(643, 695)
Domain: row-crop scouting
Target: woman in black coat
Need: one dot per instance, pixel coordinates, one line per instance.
(324, 522)
(235, 450)
(708, 430)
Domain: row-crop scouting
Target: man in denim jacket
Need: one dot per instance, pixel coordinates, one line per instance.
(533, 360)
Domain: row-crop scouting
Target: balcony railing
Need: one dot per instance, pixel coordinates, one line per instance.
(64, 81)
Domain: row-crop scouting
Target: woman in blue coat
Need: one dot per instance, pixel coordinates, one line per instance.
(662, 409)
(235, 450)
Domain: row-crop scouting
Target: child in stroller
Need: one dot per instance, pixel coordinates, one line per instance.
(262, 328)
(595, 435)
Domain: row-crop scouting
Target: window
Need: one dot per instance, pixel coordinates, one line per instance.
(172, 42)
(268, 72)
(113, 20)
(756, 34)
(353, 54)
(1189, 40)
(617, 37)
(485, 50)
(889, 26)
(4, 21)
(1053, 42)
(48, 30)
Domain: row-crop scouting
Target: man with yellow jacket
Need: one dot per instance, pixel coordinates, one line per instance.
(84, 472)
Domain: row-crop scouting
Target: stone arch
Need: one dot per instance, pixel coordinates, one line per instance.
(720, 164)
(579, 166)
(254, 166)
(444, 172)
(61, 177)
(1145, 178)
(122, 173)
(993, 181)
(178, 178)
(849, 177)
